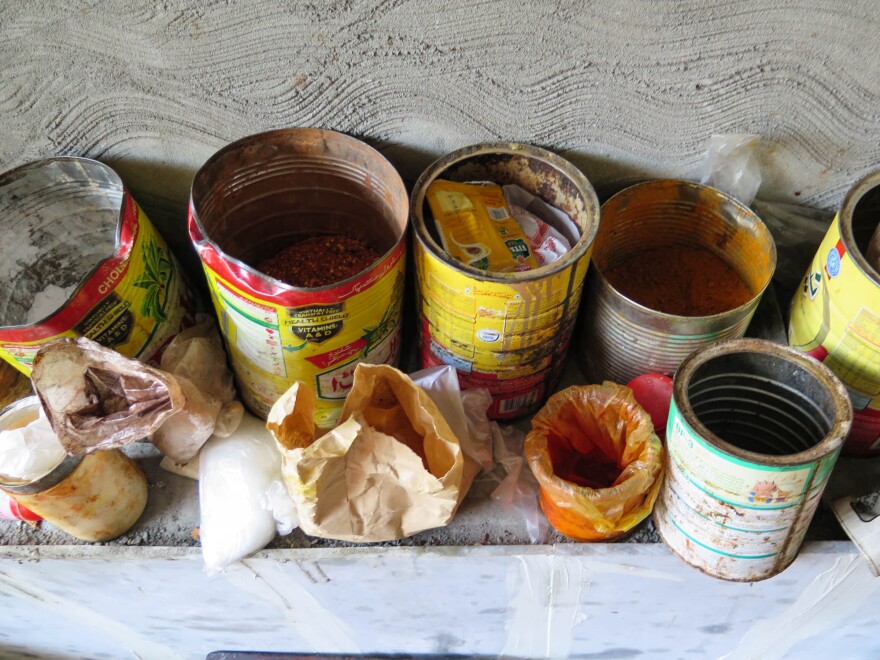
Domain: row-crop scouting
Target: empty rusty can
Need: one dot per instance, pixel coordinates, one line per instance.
(621, 338)
(265, 192)
(507, 332)
(835, 316)
(80, 258)
(754, 430)
(94, 498)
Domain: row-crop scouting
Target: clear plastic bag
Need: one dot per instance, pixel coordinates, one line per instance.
(731, 165)
(597, 460)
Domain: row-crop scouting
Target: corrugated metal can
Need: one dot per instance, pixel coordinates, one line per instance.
(94, 498)
(835, 316)
(80, 258)
(262, 193)
(621, 339)
(754, 430)
(508, 332)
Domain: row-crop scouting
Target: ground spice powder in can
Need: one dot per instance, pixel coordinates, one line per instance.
(680, 280)
(319, 260)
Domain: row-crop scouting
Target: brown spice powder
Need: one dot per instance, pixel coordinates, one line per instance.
(319, 260)
(681, 280)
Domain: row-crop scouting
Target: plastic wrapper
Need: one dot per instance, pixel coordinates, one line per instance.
(476, 227)
(29, 452)
(96, 398)
(597, 460)
(518, 491)
(550, 231)
(235, 474)
(731, 165)
(392, 468)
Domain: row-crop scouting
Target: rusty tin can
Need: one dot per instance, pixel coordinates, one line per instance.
(835, 316)
(80, 258)
(507, 332)
(754, 430)
(264, 192)
(621, 339)
(94, 498)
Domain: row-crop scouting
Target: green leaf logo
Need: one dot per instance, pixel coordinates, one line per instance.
(154, 279)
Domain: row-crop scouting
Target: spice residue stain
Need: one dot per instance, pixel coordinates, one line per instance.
(680, 280)
(319, 260)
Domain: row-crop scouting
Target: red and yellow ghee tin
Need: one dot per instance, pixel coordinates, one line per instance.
(835, 316)
(263, 192)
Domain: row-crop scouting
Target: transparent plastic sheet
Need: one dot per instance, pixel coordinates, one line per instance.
(731, 165)
(518, 491)
(597, 461)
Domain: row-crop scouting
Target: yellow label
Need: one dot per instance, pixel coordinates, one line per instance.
(510, 330)
(475, 227)
(134, 305)
(835, 316)
(318, 338)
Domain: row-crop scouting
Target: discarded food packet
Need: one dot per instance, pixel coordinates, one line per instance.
(392, 468)
(96, 398)
(549, 230)
(475, 227)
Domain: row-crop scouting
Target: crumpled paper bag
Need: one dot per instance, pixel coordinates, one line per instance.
(97, 399)
(393, 467)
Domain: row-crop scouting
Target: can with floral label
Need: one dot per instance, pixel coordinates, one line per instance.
(80, 258)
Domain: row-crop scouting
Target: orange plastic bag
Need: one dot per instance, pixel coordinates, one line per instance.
(597, 460)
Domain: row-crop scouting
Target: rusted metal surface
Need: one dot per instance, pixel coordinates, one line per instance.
(509, 332)
(835, 313)
(94, 498)
(262, 193)
(622, 339)
(754, 430)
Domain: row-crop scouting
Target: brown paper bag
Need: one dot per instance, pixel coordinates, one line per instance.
(392, 468)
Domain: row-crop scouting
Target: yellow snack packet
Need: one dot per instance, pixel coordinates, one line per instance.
(475, 227)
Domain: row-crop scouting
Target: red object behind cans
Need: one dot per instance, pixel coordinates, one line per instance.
(654, 392)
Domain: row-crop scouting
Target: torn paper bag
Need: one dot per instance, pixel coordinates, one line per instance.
(392, 468)
(96, 398)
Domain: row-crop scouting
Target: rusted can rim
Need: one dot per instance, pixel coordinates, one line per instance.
(832, 441)
(204, 177)
(513, 149)
(52, 478)
(852, 199)
(739, 206)
(23, 170)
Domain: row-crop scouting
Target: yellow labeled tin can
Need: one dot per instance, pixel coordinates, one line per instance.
(80, 258)
(835, 315)
(264, 192)
(507, 332)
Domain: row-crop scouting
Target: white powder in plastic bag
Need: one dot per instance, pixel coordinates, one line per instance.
(234, 475)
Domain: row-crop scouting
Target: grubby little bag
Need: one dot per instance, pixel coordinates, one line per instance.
(597, 460)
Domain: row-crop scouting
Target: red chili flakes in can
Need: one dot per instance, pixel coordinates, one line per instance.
(319, 260)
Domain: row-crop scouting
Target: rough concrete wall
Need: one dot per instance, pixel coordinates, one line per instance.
(623, 89)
